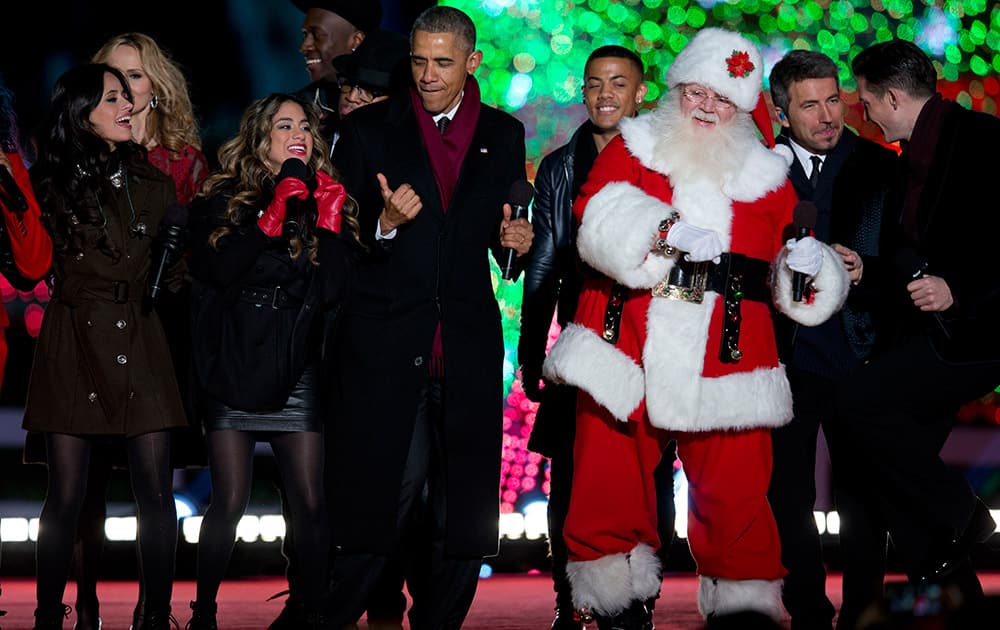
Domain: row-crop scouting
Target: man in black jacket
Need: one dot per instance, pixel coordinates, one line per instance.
(844, 176)
(613, 89)
(935, 280)
(416, 439)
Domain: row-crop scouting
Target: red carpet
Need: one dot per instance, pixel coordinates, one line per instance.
(503, 602)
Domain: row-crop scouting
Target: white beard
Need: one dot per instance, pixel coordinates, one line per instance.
(696, 153)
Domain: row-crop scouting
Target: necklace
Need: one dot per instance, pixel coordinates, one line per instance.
(118, 179)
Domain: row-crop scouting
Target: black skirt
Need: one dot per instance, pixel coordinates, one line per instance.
(300, 413)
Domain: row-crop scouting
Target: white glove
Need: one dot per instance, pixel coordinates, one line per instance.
(699, 243)
(805, 255)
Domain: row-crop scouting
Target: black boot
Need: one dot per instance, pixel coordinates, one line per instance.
(155, 619)
(291, 616)
(51, 617)
(638, 616)
(88, 614)
(566, 619)
(203, 616)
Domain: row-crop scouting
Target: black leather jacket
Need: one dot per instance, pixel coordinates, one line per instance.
(552, 278)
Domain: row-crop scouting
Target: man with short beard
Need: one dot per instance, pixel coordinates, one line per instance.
(682, 215)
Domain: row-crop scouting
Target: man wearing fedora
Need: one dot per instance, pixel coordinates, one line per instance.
(681, 218)
(378, 68)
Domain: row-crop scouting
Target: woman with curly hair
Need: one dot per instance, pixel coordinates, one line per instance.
(271, 259)
(97, 374)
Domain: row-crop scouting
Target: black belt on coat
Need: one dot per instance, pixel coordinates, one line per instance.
(274, 297)
(735, 277)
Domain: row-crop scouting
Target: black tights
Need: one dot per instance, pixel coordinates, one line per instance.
(299, 457)
(68, 459)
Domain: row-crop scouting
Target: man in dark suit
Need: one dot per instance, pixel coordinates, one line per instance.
(417, 437)
(938, 291)
(844, 176)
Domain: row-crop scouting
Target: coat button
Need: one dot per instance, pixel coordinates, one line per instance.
(122, 359)
(418, 361)
(92, 396)
(79, 255)
(120, 324)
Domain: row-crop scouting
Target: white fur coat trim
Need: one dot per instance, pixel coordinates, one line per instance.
(831, 286)
(616, 234)
(721, 596)
(581, 358)
(763, 170)
(610, 584)
(678, 397)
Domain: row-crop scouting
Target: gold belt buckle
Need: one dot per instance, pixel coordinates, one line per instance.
(684, 287)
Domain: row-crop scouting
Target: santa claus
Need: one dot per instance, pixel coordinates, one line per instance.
(686, 225)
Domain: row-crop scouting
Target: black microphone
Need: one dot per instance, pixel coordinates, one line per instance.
(913, 266)
(171, 241)
(804, 217)
(12, 194)
(521, 193)
(292, 167)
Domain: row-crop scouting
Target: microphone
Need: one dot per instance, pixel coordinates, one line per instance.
(520, 196)
(13, 197)
(913, 266)
(292, 167)
(171, 240)
(804, 217)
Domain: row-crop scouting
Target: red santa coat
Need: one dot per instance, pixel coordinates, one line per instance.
(666, 360)
(664, 366)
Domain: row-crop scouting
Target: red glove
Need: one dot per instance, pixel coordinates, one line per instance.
(330, 198)
(272, 220)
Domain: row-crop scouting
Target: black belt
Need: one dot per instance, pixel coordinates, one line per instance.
(275, 297)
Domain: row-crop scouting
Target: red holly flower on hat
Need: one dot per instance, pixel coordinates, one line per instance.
(739, 64)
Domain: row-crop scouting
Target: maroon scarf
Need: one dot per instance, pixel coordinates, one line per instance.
(447, 151)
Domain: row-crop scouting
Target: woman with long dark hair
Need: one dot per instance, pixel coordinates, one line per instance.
(98, 370)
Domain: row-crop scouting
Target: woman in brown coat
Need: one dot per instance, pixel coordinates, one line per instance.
(102, 367)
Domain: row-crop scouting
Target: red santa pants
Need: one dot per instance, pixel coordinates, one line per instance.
(731, 530)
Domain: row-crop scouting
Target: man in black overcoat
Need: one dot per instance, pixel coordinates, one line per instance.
(935, 282)
(845, 177)
(416, 436)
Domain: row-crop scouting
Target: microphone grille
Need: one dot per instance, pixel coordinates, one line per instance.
(521, 193)
(293, 167)
(176, 214)
(804, 215)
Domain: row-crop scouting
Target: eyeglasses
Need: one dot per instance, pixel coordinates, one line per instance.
(698, 96)
(365, 95)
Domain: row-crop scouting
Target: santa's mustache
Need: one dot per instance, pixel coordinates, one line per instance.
(710, 117)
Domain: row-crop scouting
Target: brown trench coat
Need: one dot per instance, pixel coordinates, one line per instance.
(102, 365)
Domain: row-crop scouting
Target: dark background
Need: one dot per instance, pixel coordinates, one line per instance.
(232, 51)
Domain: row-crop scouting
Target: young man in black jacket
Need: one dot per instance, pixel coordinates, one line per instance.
(845, 177)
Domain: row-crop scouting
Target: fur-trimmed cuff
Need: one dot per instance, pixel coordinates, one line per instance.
(617, 231)
(610, 584)
(581, 358)
(721, 596)
(830, 287)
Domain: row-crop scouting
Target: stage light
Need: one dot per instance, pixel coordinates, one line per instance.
(512, 525)
(833, 523)
(13, 529)
(820, 518)
(190, 528)
(536, 522)
(272, 527)
(248, 529)
(485, 571)
(185, 506)
(120, 528)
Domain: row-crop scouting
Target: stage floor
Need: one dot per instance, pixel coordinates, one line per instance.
(503, 602)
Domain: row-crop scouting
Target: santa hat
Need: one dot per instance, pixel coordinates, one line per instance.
(725, 61)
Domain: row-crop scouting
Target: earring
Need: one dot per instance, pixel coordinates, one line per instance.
(154, 101)
(353, 49)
